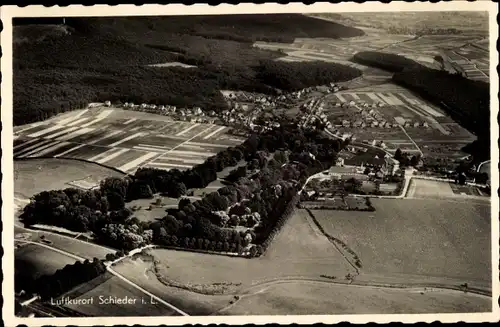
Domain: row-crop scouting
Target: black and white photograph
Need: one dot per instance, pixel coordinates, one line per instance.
(201, 162)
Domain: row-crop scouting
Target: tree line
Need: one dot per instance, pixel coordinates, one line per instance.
(259, 201)
(52, 286)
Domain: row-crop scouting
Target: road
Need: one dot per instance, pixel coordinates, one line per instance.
(409, 137)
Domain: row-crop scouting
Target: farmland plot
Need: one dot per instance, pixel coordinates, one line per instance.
(418, 241)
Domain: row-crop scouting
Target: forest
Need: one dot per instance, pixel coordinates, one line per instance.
(387, 61)
(99, 59)
(260, 199)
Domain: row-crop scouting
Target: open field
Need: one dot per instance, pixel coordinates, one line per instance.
(113, 287)
(125, 140)
(309, 297)
(418, 241)
(429, 189)
(37, 175)
(33, 261)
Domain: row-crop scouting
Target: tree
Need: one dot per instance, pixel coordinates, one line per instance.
(115, 200)
(184, 202)
(398, 154)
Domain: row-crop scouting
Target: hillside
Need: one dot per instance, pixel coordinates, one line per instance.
(61, 67)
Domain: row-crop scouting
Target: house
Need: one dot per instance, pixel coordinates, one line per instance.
(425, 124)
(416, 124)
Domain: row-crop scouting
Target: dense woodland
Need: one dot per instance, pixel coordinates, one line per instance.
(262, 198)
(98, 59)
(387, 61)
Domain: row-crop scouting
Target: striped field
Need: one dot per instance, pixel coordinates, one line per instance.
(122, 139)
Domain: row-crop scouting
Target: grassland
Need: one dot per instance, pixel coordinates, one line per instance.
(418, 241)
(325, 298)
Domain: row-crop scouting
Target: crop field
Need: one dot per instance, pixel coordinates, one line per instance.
(421, 188)
(418, 241)
(33, 261)
(104, 136)
(115, 288)
(310, 297)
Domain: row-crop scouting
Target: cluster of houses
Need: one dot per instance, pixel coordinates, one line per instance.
(195, 115)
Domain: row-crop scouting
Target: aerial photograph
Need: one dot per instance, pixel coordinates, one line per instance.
(252, 164)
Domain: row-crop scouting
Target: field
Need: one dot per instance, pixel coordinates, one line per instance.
(417, 241)
(36, 175)
(325, 298)
(421, 188)
(124, 140)
(76, 247)
(313, 255)
(110, 286)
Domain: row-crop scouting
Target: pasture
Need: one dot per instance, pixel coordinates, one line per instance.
(309, 297)
(125, 140)
(415, 241)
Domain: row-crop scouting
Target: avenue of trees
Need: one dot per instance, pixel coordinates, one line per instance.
(261, 199)
(100, 59)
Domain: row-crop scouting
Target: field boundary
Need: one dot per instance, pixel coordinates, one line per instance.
(334, 241)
